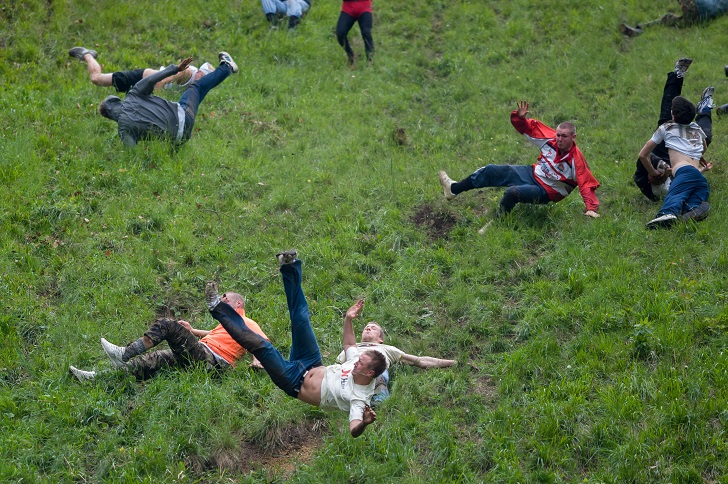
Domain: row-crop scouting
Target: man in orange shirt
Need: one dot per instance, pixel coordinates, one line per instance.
(216, 348)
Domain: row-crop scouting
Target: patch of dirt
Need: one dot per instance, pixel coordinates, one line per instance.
(279, 454)
(437, 222)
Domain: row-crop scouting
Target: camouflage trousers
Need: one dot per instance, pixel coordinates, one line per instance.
(184, 350)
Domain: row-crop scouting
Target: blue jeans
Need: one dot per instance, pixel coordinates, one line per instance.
(522, 186)
(305, 353)
(688, 189)
(196, 92)
(292, 8)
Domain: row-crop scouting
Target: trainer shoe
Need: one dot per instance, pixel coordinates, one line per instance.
(226, 58)
(446, 183)
(80, 52)
(721, 110)
(706, 100)
(211, 296)
(81, 374)
(115, 354)
(286, 257)
(662, 221)
(697, 214)
(629, 31)
(681, 66)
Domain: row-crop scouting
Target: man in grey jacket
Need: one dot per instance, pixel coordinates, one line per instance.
(142, 115)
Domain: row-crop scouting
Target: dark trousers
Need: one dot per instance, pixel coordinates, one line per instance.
(185, 349)
(196, 92)
(344, 25)
(673, 88)
(522, 185)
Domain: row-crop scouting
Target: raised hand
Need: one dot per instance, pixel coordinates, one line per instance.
(522, 109)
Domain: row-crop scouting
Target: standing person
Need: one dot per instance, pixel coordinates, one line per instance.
(142, 115)
(293, 8)
(686, 143)
(216, 348)
(659, 157)
(693, 11)
(348, 387)
(353, 11)
(561, 167)
(122, 81)
(372, 338)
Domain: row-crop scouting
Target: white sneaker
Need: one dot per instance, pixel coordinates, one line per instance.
(446, 183)
(81, 374)
(115, 354)
(681, 66)
(662, 221)
(226, 58)
(484, 228)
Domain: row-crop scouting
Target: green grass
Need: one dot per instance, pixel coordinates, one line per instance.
(588, 350)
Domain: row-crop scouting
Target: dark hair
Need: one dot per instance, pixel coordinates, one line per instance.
(377, 363)
(110, 108)
(682, 110)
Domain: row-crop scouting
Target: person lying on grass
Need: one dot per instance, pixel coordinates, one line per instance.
(372, 338)
(123, 81)
(141, 115)
(693, 12)
(560, 168)
(348, 387)
(687, 197)
(214, 348)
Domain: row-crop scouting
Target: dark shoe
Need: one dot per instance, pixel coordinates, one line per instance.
(211, 297)
(286, 257)
(293, 22)
(226, 58)
(663, 221)
(726, 71)
(697, 214)
(352, 60)
(80, 52)
(629, 31)
(721, 110)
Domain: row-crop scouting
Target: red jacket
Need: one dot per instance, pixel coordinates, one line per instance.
(558, 175)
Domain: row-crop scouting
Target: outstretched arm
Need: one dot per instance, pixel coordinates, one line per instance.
(426, 361)
(348, 337)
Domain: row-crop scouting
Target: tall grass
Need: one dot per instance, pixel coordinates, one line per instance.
(588, 350)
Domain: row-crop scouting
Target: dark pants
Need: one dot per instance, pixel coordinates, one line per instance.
(522, 185)
(196, 92)
(185, 349)
(344, 25)
(305, 353)
(673, 88)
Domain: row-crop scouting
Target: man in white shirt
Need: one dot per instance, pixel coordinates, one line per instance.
(348, 386)
(372, 337)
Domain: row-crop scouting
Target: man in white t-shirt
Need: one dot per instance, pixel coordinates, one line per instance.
(372, 337)
(348, 386)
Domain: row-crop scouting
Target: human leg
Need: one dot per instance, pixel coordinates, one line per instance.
(196, 92)
(534, 193)
(296, 9)
(343, 26)
(286, 375)
(123, 81)
(641, 177)
(495, 176)
(689, 189)
(672, 89)
(273, 7)
(704, 110)
(366, 21)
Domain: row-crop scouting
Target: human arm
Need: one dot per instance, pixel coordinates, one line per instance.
(534, 130)
(146, 85)
(357, 427)
(426, 361)
(256, 364)
(587, 184)
(348, 337)
(644, 158)
(200, 333)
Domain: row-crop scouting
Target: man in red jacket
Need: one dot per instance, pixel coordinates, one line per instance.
(561, 167)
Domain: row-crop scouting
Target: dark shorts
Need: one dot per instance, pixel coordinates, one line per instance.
(125, 80)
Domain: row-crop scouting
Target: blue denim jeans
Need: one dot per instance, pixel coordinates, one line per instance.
(522, 186)
(292, 8)
(305, 352)
(196, 92)
(688, 189)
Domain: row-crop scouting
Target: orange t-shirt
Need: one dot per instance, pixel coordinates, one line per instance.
(219, 341)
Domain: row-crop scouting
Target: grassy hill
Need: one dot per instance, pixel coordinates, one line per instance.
(588, 350)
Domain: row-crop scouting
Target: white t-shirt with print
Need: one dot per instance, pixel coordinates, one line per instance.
(684, 138)
(338, 390)
(391, 353)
